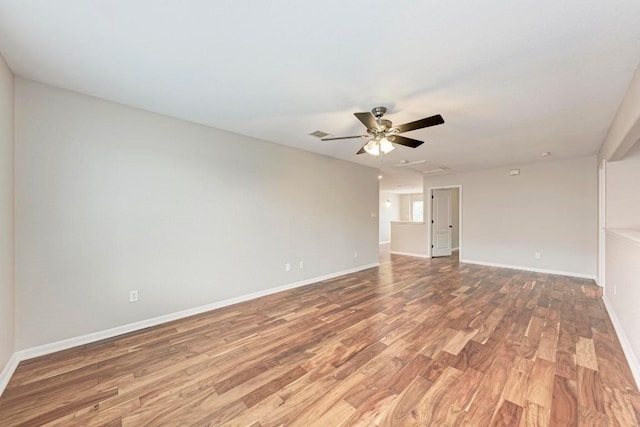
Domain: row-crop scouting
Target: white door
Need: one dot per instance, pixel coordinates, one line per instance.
(441, 223)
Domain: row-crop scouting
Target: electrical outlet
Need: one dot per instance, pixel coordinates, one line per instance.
(355, 254)
(537, 255)
(287, 267)
(133, 296)
(301, 264)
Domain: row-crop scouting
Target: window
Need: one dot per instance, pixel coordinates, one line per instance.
(417, 211)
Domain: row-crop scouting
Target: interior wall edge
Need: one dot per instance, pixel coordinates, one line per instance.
(7, 217)
(624, 130)
(8, 371)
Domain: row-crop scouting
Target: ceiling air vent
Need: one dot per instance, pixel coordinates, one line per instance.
(438, 169)
(421, 166)
(319, 134)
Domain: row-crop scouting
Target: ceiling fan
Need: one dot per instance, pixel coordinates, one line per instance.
(383, 134)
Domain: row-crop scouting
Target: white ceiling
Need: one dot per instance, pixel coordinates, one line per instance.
(510, 78)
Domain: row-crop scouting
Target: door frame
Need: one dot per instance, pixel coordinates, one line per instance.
(602, 223)
(429, 216)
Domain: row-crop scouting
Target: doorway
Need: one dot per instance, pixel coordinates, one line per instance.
(445, 219)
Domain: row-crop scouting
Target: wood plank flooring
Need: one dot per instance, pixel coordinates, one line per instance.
(413, 342)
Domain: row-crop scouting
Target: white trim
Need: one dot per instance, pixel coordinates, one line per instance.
(385, 242)
(53, 347)
(624, 342)
(410, 254)
(8, 371)
(536, 270)
(602, 222)
(457, 248)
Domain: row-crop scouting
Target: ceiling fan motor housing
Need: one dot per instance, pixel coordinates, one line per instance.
(385, 124)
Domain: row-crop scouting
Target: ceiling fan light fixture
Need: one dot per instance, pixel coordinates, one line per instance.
(386, 146)
(372, 147)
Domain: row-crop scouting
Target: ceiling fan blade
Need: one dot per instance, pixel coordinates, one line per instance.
(368, 120)
(398, 139)
(361, 151)
(343, 137)
(422, 123)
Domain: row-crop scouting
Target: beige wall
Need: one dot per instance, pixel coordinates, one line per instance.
(410, 239)
(622, 293)
(621, 150)
(551, 208)
(406, 205)
(6, 214)
(623, 191)
(112, 198)
(622, 256)
(388, 214)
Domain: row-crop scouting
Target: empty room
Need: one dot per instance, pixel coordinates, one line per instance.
(286, 213)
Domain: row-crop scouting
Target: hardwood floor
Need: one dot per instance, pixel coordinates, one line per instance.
(414, 342)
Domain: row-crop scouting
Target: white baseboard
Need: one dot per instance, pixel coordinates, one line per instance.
(385, 242)
(8, 371)
(410, 254)
(53, 347)
(536, 270)
(622, 337)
